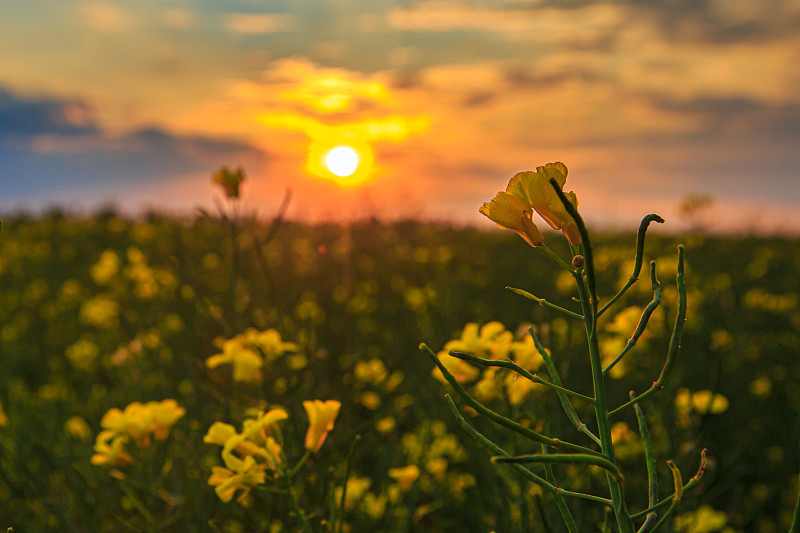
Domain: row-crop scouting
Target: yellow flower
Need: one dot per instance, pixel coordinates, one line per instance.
(269, 342)
(372, 371)
(491, 341)
(264, 422)
(246, 363)
(139, 420)
(705, 402)
(163, 416)
(509, 211)
(405, 476)
(110, 449)
(518, 388)
(219, 433)
(536, 193)
(526, 355)
(437, 467)
(134, 421)
(229, 180)
(460, 369)
(704, 519)
(386, 425)
(78, 428)
(247, 475)
(320, 421)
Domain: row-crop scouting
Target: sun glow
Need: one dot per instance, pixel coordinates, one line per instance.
(342, 161)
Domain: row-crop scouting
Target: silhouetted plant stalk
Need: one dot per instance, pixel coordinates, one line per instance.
(541, 191)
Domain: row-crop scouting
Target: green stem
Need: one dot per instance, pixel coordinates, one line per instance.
(637, 265)
(643, 320)
(565, 403)
(301, 515)
(674, 342)
(557, 258)
(692, 482)
(588, 298)
(649, 454)
(796, 522)
(497, 418)
(519, 370)
(344, 483)
(651, 518)
(563, 508)
(300, 463)
(494, 448)
(564, 459)
(542, 301)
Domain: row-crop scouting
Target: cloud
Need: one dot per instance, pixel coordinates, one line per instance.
(259, 23)
(545, 24)
(51, 152)
(180, 19)
(20, 118)
(104, 16)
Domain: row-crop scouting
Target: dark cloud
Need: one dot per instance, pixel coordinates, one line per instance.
(25, 117)
(76, 158)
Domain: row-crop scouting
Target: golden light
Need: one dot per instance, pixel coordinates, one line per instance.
(342, 161)
(348, 165)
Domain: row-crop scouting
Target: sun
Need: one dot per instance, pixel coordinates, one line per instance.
(342, 161)
(346, 162)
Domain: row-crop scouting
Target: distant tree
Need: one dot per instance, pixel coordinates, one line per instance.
(695, 210)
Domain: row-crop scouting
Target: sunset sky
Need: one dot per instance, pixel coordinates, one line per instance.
(137, 102)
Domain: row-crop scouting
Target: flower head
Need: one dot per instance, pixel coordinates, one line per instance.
(244, 476)
(534, 188)
(229, 180)
(110, 449)
(508, 210)
(320, 421)
(245, 361)
(405, 476)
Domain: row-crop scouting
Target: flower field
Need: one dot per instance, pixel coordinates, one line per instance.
(229, 375)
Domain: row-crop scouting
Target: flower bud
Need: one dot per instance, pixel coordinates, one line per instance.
(577, 261)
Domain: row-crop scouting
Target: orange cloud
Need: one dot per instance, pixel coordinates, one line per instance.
(259, 23)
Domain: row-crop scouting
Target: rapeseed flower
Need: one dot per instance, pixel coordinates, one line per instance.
(110, 449)
(78, 428)
(269, 342)
(460, 369)
(244, 477)
(229, 180)
(405, 476)
(246, 362)
(141, 421)
(534, 187)
(321, 416)
(163, 416)
(531, 191)
(509, 211)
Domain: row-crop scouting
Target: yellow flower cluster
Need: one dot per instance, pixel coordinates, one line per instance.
(137, 421)
(250, 454)
(701, 402)
(247, 353)
(492, 341)
(258, 440)
(531, 191)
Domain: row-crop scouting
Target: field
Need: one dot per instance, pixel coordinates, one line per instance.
(101, 311)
